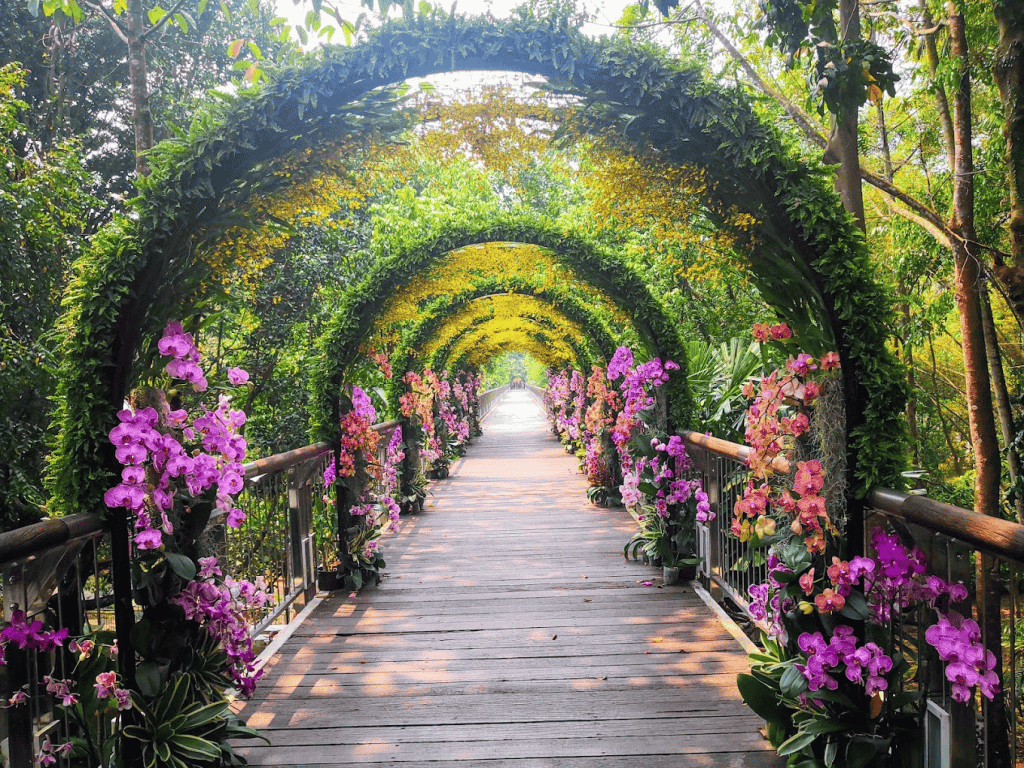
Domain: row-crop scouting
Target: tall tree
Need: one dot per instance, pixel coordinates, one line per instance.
(1009, 75)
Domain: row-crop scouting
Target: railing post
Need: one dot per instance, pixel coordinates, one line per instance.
(342, 505)
(19, 731)
(711, 470)
(300, 531)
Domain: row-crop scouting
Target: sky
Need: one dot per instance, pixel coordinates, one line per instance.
(607, 11)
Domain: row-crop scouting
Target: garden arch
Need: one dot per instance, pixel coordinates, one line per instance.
(439, 325)
(352, 325)
(806, 256)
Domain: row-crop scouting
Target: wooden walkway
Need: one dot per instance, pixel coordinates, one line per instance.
(509, 633)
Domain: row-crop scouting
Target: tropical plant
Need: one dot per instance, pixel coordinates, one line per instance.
(174, 733)
(716, 374)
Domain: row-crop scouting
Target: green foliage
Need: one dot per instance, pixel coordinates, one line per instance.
(176, 734)
(716, 375)
(43, 202)
(802, 249)
(362, 304)
(844, 73)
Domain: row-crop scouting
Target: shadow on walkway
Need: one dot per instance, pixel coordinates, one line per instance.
(509, 633)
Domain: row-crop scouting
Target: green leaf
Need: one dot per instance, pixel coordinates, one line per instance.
(33, 7)
(155, 14)
(194, 747)
(792, 683)
(860, 753)
(182, 565)
(831, 750)
(856, 607)
(796, 743)
(163, 751)
(204, 715)
(148, 678)
(762, 699)
(823, 725)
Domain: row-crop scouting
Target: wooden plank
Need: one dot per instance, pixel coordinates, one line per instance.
(638, 747)
(285, 687)
(711, 760)
(509, 632)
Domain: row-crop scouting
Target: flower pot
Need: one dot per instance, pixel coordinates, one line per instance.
(687, 572)
(327, 580)
(669, 575)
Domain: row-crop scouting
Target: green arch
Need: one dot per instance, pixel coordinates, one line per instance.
(351, 325)
(140, 273)
(565, 304)
(406, 357)
(538, 329)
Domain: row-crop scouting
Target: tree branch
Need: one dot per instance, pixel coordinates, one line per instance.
(166, 17)
(796, 114)
(110, 17)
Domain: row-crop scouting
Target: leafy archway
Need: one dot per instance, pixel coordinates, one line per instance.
(448, 319)
(806, 256)
(581, 261)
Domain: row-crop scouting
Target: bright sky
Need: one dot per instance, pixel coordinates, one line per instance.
(607, 11)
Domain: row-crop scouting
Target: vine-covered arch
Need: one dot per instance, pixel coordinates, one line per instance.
(428, 330)
(142, 271)
(413, 351)
(352, 325)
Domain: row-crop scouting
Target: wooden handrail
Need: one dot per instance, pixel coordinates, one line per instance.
(991, 535)
(284, 460)
(729, 450)
(289, 458)
(46, 534)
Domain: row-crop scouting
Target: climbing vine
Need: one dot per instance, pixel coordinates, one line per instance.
(800, 248)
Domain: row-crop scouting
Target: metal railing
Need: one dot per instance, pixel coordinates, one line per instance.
(57, 572)
(959, 544)
(490, 398)
(954, 540)
(276, 542)
(728, 568)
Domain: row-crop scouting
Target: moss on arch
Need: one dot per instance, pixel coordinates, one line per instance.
(141, 272)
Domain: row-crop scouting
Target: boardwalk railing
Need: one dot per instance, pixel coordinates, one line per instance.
(277, 542)
(953, 539)
(727, 568)
(490, 398)
(57, 572)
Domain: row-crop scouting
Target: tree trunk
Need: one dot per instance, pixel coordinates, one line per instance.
(908, 353)
(1009, 76)
(142, 117)
(941, 101)
(987, 462)
(1003, 408)
(842, 146)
